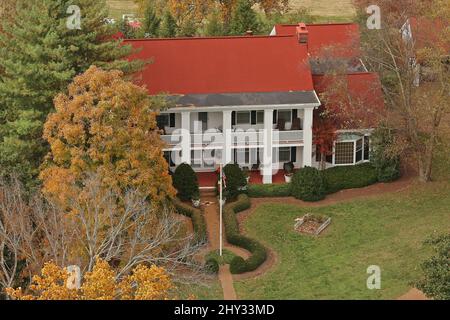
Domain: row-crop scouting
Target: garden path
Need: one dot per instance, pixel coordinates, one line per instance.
(212, 222)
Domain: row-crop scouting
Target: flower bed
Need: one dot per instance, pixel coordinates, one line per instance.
(313, 225)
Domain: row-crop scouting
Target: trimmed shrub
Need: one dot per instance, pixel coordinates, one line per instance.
(186, 182)
(198, 220)
(238, 265)
(235, 180)
(269, 190)
(212, 266)
(350, 177)
(259, 254)
(308, 184)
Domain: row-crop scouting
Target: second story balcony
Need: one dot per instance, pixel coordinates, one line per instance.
(245, 128)
(239, 138)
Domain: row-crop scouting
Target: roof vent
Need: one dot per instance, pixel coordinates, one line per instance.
(302, 33)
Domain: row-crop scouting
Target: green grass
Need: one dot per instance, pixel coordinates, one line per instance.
(226, 258)
(207, 291)
(387, 231)
(119, 7)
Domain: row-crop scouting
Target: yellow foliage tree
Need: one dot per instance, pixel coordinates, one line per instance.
(145, 283)
(106, 125)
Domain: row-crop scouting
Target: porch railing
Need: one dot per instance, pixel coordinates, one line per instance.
(238, 138)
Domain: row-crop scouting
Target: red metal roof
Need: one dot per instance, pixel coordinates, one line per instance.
(224, 65)
(342, 39)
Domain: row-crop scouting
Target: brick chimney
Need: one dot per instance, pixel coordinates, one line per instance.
(302, 33)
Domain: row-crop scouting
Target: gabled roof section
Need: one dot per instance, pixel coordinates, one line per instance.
(337, 39)
(248, 64)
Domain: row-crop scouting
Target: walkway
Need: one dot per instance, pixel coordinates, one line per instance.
(212, 221)
(213, 226)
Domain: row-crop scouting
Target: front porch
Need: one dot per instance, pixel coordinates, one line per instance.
(208, 180)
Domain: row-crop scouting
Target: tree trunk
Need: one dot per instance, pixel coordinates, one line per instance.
(425, 165)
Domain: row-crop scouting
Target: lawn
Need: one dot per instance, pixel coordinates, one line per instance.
(387, 231)
(209, 290)
(326, 8)
(119, 7)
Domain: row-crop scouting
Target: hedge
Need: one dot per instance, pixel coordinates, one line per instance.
(350, 177)
(335, 180)
(198, 220)
(259, 254)
(308, 184)
(269, 190)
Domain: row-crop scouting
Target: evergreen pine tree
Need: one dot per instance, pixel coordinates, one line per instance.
(244, 19)
(39, 56)
(214, 27)
(168, 26)
(151, 22)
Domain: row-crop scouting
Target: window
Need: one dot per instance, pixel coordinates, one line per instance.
(285, 115)
(242, 156)
(165, 120)
(260, 117)
(359, 150)
(285, 155)
(203, 118)
(344, 153)
(366, 148)
(243, 117)
(162, 121)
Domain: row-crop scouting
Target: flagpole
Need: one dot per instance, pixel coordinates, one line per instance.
(221, 209)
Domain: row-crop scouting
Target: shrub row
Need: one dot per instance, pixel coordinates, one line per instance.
(310, 184)
(198, 220)
(269, 190)
(350, 177)
(259, 255)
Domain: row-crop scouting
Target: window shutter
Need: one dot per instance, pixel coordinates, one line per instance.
(233, 118)
(253, 117)
(275, 115)
(294, 114)
(172, 120)
(294, 154)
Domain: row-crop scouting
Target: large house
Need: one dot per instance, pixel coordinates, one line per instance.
(251, 99)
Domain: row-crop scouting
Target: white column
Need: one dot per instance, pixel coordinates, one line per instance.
(308, 137)
(186, 137)
(268, 146)
(227, 141)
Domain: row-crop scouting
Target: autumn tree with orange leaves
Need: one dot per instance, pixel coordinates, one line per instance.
(144, 283)
(105, 125)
